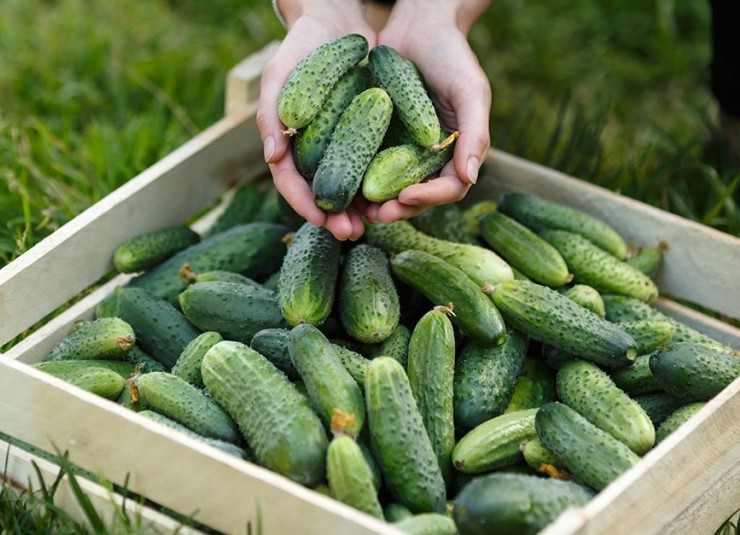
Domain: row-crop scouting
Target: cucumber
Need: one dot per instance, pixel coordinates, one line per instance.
(587, 297)
(395, 512)
(271, 282)
(218, 276)
(236, 311)
(446, 222)
(354, 363)
(552, 318)
(273, 345)
(406, 89)
(539, 214)
(534, 387)
(162, 330)
(353, 144)
(98, 380)
(330, 386)
(308, 276)
(659, 405)
(252, 249)
(427, 524)
(309, 84)
(431, 368)
(596, 267)
(485, 378)
(676, 419)
(694, 372)
(310, 143)
(395, 346)
(475, 211)
(147, 250)
(107, 307)
(480, 264)
(285, 434)
(401, 444)
(65, 369)
(177, 399)
(143, 362)
(650, 335)
(241, 208)
(270, 211)
(350, 478)
(188, 363)
(536, 455)
(369, 308)
(636, 379)
(592, 455)
(524, 249)
(589, 390)
(514, 503)
(494, 443)
(102, 338)
(443, 283)
(648, 259)
(555, 358)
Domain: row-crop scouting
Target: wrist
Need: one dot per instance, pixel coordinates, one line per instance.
(292, 10)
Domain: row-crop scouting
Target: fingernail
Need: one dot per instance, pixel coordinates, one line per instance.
(269, 148)
(472, 169)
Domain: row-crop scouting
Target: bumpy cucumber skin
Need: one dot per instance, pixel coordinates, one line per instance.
(186, 404)
(354, 363)
(494, 443)
(446, 222)
(514, 503)
(369, 308)
(593, 456)
(353, 144)
(659, 405)
(485, 378)
(102, 338)
(587, 297)
(329, 384)
(310, 143)
(443, 283)
(350, 478)
(407, 92)
(694, 372)
(147, 250)
(649, 335)
(308, 276)
(589, 390)
(636, 379)
(479, 263)
(427, 524)
(539, 214)
(162, 330)
(310, 83)
(596, 267)
(647, 260)
(399, 440)
(676, 419)
(534, 387)
(552, 318)
(242, 208)
(431, 369)
(395, 346)
(188, 363)
(236, 311)
(524, 249)
(395, 168)
(252, 249)
(274, 418)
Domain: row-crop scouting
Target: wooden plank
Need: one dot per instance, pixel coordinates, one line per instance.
(243, 80)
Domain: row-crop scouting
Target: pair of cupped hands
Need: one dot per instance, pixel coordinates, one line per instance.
(436, 42)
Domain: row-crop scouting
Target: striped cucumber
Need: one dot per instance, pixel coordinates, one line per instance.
(188, 363)
(350, 478)
(534, 387)
(147, 250)
(102, 338)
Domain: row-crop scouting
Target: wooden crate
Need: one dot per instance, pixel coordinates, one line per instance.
(688, 484)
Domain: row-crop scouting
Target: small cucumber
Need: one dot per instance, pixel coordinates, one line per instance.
(494, 443)
(217, 276)
(648, 259)
(587, 297)
(650, 335)
(534, 387)
(147, 250)
(427, 524)
(354, 363)
(475, 211)
(273, 345)
(636, 379)
(350, 478)
(395, 512)
(536, 455)
(446, 222)
(309, 84)
(539, 214)
(308, 276)
(676, 419)
(592, 455)
(188, 363)
(242, 207)
(658, 405)
(102, 338)
(395, 346)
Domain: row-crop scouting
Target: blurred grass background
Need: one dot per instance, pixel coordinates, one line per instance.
(614, 92)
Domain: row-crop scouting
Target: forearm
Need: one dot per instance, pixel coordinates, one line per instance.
(292, 10)
(462, 13)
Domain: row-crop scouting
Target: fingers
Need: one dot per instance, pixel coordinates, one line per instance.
(474, 141)
(444, 189)
(296, 191)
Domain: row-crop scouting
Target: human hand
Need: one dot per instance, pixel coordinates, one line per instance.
(311, 23)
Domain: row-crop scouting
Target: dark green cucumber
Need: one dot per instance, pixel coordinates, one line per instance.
(369, 308)
(636, 379)
(431, 368)
(694, 372)
(596, 267)
(274, 418)
(395, 346)
(534, 387)
(647, 259)
(485, 378)
(271, 282)
(555, 358)
(552, 318)
(494, 443)
(102, 338)
(524, 249)
(395, 168)
(270, 211)
(397, 133)
(587, 297)
(177, 399)
(188, 363)
(242, 207)
(475, 211)
(353, 144)
(65, 369)
(330, 386)
(539, 214)
(427, 524)
(252, 249)
(310, 143)
(234, 310)
(273, 345)
(399, 440)
(309, 84)
(406, 89)
(479, 263)
(350, 478)
(446, 222)
(162, 330)
(514, 504)
(589, 390)
(658, 405)
(676, 419)
(308, 276)
(443, 283)
(650, 335)
(147, 250)
(592, 455)
(143, 362)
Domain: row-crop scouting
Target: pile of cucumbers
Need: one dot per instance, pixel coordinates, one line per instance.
(480, 375)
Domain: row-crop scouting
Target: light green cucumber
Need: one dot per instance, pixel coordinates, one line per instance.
(650, 335)
(676, 419)
(102, 338)
(427, 524)
(475, 211)
(147, 250)
(587, 297)
(536, 455)
(648, 259)
(534, 387)
(188, 363)
(143, 362)
(354, 363)
(65, 369)
(394, 512)
(104, 382)
(350, 478)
